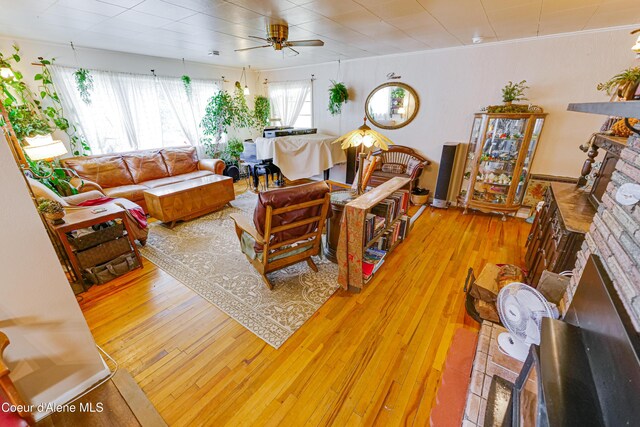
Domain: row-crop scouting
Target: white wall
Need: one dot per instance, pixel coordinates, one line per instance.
(454, 83)
(52, 354)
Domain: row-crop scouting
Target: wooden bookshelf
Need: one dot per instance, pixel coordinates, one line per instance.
(351, 246)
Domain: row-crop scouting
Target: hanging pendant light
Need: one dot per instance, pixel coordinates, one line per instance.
(246, 90)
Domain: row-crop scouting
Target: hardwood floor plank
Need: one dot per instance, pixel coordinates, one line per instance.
(373, 358)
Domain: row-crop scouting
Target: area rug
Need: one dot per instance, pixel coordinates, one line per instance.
(204, 254)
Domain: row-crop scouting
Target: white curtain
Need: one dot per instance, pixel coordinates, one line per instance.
(287, 99)
(133, 111)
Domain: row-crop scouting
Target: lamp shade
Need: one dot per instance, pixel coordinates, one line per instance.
(365, 136)
(37, 140)
(6, 73)
(636, 47)
(45, 151)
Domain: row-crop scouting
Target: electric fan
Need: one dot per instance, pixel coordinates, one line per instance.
(521, 309)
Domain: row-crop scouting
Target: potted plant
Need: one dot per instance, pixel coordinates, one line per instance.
(419, 196)
(52, 210)
(261, 111)
(625, 83)
(338, 95)
(514, 92)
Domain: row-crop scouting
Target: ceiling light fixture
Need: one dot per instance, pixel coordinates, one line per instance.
(246, 90)
(477, 39)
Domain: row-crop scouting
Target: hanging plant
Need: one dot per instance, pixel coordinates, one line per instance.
(186, 81)
(338, 95)
(262, 111)
(243, 117)
(84, 83)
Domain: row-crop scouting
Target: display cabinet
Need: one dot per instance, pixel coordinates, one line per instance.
(499, 157)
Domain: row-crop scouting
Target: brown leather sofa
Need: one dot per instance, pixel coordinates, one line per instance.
(128, 175)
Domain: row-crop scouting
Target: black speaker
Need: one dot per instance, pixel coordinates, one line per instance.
(447, 161)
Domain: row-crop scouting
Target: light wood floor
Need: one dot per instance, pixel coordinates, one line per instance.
(369, 359)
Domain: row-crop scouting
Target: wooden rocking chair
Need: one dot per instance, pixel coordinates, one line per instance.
(286, 229)
(9, 394)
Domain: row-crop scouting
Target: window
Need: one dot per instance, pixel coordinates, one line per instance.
(132, 112)
(291, 102)
(305, 118)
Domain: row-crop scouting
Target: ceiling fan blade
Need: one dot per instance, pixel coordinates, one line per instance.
(251, 48)
(259, 38)
(305, 43)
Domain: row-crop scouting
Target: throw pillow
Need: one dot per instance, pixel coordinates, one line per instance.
(412, 164)
(396, 168)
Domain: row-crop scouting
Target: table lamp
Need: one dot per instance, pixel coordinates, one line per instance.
(44, 148)
(363, 138)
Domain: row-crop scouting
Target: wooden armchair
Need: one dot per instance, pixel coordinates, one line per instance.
(9, 394)
(400, 158)
(286, 227)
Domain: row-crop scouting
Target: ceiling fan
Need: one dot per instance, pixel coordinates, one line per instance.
(277, 35)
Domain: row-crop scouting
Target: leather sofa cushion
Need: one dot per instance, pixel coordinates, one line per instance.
(146, 165)
(286, 197)
(173, 179)
(180, 160)
(107, 171)
(133, 192)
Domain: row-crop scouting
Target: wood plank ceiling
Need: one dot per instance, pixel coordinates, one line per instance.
(350, 28)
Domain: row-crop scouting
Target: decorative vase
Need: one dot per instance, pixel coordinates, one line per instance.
(628, 90)
(55, 218)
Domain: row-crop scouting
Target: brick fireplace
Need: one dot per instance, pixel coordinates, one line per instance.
(615, 236)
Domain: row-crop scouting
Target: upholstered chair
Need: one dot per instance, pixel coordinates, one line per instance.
(286, 227)
(400, 161)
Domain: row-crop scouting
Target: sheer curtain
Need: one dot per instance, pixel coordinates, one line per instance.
(133, 111)
(287, 99)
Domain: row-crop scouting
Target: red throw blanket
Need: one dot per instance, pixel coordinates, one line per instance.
(137, 213)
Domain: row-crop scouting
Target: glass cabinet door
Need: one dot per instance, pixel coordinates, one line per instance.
(471, 154)
(498, 158)
(526, 166)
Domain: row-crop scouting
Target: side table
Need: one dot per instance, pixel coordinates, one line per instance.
(77, 218)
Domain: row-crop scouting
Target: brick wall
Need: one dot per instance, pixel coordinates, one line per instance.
(615, 236)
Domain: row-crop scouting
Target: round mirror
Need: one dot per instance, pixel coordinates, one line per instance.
(392, 105)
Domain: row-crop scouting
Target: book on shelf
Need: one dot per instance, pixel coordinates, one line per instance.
(394, 234)
(372, 259)
(385, 213)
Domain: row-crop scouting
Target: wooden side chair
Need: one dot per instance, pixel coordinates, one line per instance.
(9, 394)
(286, 228)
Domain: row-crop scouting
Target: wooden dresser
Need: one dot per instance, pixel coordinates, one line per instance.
(558, 231)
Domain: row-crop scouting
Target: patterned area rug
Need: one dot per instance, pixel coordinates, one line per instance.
(204, 254)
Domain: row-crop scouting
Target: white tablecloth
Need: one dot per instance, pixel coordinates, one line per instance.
(301, 156)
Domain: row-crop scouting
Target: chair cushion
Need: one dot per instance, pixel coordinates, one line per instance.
(180, 160)
(247, 245)
(132, 192)
(146, 165)
(107, 171)
(286, 197)
(395, 168)
(388, 175)
(10, 419)
(178, 178)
